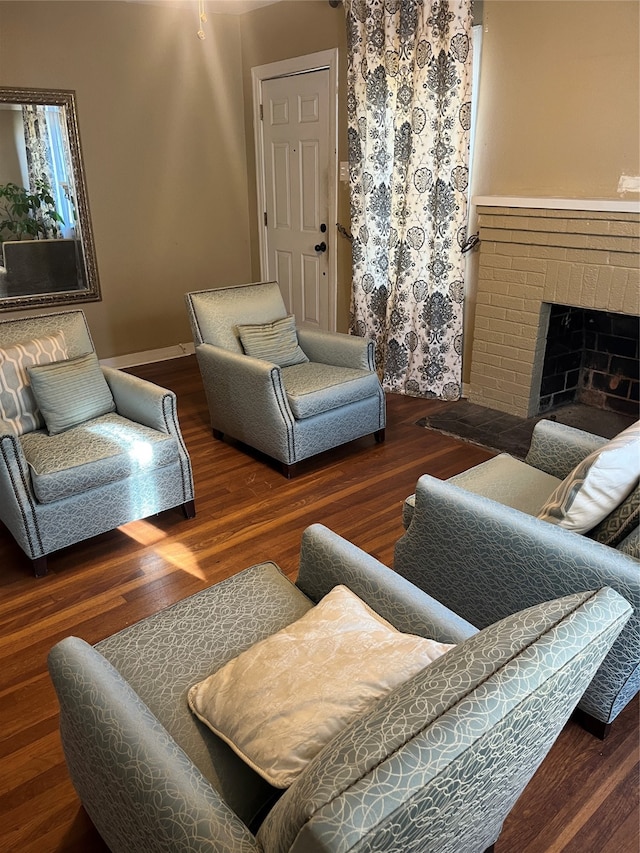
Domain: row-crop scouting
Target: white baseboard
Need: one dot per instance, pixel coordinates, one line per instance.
(149, 356)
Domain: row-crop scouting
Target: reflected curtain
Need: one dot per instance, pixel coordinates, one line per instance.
(409, 112)
(38, 152)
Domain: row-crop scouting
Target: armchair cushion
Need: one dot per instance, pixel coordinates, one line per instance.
(509, 482)
(70, 392)
(97, 452)
(18, 407)
(314, 388)
(276, 342)
(280, 701)
(597, 485)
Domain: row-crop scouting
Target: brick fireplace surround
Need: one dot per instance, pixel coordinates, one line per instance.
(535, 254)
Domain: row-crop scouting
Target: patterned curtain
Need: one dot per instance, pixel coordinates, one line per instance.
(409, 107)
(38, 151)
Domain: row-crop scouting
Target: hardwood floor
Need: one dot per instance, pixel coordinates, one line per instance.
(584, 797)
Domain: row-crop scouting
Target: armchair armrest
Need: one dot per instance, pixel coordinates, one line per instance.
(337, 348)
(138, 786)
(142, 401)
(557, 448)
(246, 399)
(17, 500)
(327, 559)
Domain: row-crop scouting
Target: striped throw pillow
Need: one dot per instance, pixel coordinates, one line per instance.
(71, 392)
(276, 342)
(597, 485)
(18, 407)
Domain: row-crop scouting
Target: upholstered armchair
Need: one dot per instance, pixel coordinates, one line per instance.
(289, 393)
(84, 449)
(476, 543)
(434, 764)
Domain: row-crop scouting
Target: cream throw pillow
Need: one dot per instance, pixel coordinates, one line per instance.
(276, 342)
(597, 485)
(279, 702)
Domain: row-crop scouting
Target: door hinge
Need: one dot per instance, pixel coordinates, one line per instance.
(265, 219)
(261, 113)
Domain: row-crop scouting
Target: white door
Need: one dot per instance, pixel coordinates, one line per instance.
(296, 151)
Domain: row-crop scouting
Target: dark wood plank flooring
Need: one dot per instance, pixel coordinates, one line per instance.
(584, 797)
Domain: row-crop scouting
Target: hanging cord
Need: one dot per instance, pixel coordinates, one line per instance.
(343, 231)
(470, 243)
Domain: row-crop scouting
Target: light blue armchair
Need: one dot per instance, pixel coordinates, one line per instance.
(434, 766)
(292, 412)
(127, 464)
(474, 542)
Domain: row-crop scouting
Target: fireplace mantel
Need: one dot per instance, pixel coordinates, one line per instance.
(615, 205)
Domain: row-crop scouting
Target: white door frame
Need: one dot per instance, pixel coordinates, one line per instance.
(298, 65)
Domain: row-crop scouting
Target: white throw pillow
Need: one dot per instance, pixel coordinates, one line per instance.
(597, 485)
(279, 702)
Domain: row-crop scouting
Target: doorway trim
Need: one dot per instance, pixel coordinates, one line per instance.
(324, 59)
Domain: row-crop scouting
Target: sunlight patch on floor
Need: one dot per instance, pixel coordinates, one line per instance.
(178, 555)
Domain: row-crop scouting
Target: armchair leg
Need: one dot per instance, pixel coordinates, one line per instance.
(217, 434)
(379, 436)
(189, 509)
(39, 566)
(289, 471)
(592, 724)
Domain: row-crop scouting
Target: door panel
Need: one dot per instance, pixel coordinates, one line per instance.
(296, 158)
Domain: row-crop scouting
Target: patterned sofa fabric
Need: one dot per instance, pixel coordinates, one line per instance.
(437, 764)
(97, 452)
(485, 561)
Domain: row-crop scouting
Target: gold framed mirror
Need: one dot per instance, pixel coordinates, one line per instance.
(47, 254)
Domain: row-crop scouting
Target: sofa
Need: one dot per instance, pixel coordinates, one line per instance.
(475, 543)
(434, 764)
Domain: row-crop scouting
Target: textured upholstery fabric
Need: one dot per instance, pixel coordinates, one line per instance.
(597, 485)
(314, 388)
(485, 561)
(41, 528)
(282, 700)
(436, 765)
(618, 524)
(18, 407)
(558, 448)
(70, 392)
(98, 452)
(253, 401)
(508, 481)
(414, 747)
(276, 342)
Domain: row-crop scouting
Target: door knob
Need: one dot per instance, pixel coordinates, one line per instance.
(321, 247)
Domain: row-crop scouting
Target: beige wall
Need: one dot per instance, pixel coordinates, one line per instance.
(167, 131)
(559, 98)
(162, 130)
(282, 31)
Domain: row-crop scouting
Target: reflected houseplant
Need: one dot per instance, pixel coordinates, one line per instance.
(28, 215)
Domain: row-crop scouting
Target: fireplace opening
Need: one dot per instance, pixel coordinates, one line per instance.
(591, 357)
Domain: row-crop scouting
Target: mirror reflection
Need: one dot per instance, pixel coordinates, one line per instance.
(47, 255)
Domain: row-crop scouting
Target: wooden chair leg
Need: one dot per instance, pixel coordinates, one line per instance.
(379, 436)
(217, 434)
(289, 471)
(39, 566)
(189, 509)
(592, 724)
